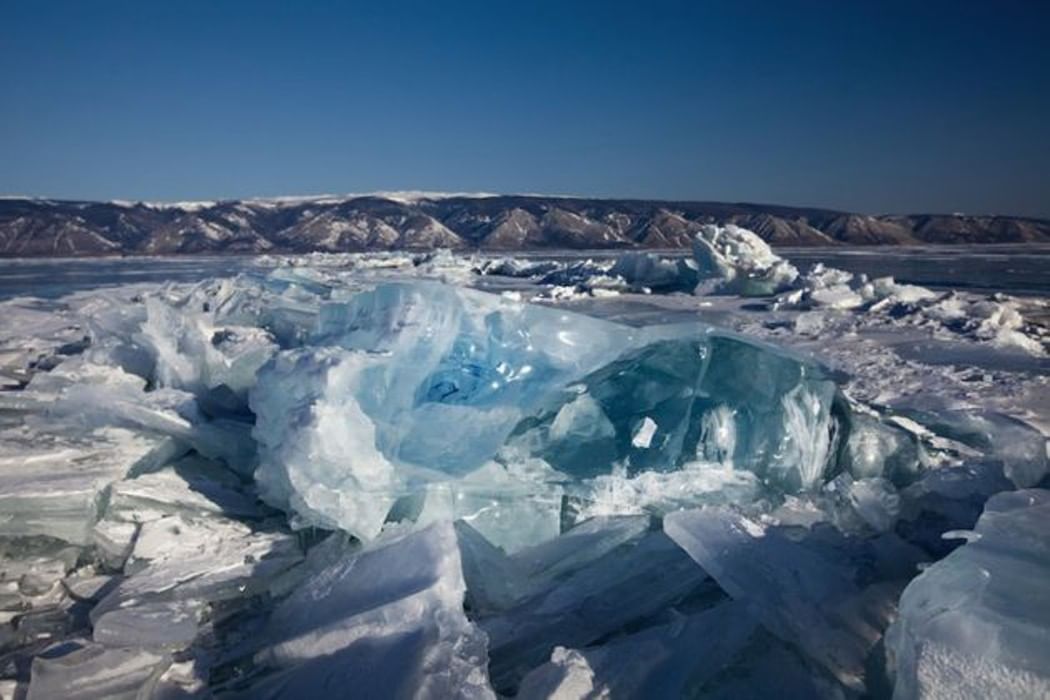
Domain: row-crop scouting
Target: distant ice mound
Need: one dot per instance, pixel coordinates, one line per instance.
(419, 400)
(726, 260)
(995, 321)
(830, 288)
(734, 260)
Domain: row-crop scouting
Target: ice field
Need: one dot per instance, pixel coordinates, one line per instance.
(724, 475)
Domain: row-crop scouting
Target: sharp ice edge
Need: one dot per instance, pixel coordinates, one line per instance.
(658, 511)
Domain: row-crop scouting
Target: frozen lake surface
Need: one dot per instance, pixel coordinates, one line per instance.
(1021, 270)
(566, 475)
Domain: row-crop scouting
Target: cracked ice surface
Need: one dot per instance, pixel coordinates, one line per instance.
(355, 475)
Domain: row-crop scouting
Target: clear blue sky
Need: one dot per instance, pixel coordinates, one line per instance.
(869, 105)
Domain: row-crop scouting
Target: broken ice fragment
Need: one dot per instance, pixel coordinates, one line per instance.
(643, 434)
(798, 595)
(54, 484)
(672, 660)
(877, 449)
(599, 578)
(181, 563)
(387, 622)
(94, 672)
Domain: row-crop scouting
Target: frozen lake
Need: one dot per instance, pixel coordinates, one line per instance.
(548, 470)
(1012, 269)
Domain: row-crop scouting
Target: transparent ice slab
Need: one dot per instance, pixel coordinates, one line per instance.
(829, 595)
(386, 622)
(54, 484)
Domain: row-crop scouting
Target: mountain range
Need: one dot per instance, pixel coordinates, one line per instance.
(423, 221)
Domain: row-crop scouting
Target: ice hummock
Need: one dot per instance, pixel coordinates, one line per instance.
(734, 260)
(406, 387)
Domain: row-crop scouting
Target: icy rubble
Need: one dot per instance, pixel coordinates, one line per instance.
(726, 260)
(731, 260)
(995, 321)
(54, 485)
(526, 501)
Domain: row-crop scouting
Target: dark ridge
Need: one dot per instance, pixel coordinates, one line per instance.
(59, 228)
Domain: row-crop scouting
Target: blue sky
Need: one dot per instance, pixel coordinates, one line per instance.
(871, 106)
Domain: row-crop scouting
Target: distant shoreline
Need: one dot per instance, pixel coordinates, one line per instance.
(35, 228)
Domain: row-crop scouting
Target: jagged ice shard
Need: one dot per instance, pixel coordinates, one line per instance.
(419, 399)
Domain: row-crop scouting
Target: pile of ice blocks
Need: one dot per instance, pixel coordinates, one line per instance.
(306, 484)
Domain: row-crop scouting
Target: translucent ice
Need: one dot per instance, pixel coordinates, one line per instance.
(1015, 447)
(194, 353)
(94, 672)
(822, 594)
(515, 488)
(411, 385)
(598, 579)
(703, 396)
(655, 273)
(387, 622)
(673, 660)
(55, 485)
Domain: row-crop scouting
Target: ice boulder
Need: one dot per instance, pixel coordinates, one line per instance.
(977, 623)
(408, 392)
(734, 260)
(673, 401)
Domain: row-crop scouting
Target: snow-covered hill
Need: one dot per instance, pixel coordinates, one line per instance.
(428, 220)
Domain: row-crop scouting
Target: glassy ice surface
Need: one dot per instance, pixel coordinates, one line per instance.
(358, 475)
